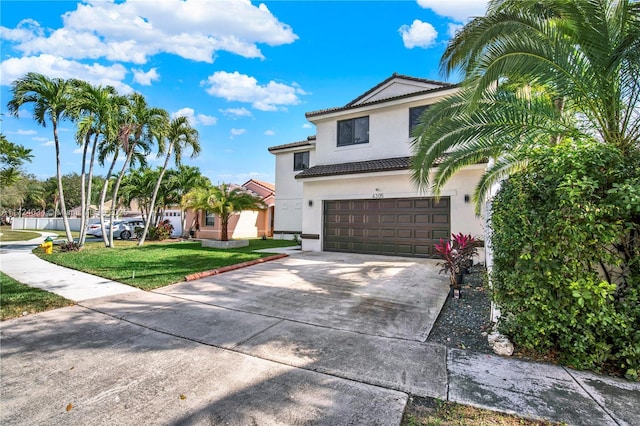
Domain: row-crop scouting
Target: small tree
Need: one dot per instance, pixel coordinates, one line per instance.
(224, 200)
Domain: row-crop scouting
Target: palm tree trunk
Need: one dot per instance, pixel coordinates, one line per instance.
(155, 194)
(224, 223)
(103, 196)
(83, 234)
(116, 188)
(63, 208)
(83, 190)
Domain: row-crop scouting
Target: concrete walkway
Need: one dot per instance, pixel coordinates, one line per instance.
(18, 261)
(316, 338)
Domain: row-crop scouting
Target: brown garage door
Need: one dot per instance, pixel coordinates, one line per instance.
(399, 226)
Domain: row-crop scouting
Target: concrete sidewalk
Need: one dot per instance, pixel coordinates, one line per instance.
(228, 349)
(18, 261)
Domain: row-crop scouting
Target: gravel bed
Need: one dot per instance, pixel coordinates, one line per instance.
(463, 323)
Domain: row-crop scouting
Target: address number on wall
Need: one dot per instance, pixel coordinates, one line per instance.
(378, 195)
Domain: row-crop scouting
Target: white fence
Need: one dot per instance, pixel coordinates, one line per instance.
(51, 223)
(56, 224)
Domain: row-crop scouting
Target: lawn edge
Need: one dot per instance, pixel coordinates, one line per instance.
(203, 274)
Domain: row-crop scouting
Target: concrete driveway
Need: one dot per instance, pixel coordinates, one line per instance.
(317, 338)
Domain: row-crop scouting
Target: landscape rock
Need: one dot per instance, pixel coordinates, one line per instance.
(500, 344)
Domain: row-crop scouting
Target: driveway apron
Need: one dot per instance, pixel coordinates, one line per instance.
(315, 338)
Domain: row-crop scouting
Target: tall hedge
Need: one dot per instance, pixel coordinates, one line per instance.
(566, 241)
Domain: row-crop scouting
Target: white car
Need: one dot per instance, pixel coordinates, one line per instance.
(123, 228)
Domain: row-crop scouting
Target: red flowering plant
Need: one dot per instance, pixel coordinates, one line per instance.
(456, 254)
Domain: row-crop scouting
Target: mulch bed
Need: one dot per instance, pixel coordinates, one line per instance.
(463, 323)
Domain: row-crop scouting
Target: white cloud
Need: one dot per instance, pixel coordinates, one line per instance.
(49, 143)
(458, 10)
(240, 87)
(419, 34)
(145, 78)
(22, 132)
(185, 112)
(307, 126)
(132, 31)
(452, 29)
(58, 67)
(40, 139)
(205, 120)
(78, 150)
(269, 133)
(237, 132)
(235, 113)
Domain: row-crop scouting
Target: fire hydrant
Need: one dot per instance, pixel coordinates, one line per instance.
(47, 245)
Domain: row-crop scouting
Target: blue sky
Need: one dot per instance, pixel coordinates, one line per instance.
(244, 72)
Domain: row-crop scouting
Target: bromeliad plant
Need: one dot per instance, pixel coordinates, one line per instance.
(456, 254)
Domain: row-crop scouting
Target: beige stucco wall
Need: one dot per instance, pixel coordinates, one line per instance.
(288, 205)
(388, 133)
(388, 185)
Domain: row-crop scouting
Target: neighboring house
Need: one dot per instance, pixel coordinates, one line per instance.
(349, 189)
(247, 224)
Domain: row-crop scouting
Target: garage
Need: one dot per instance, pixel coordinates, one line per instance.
(397, 227)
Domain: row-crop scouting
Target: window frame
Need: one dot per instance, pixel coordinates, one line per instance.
(304, 165)
(352, 122)
(411, 115)
(207, 215)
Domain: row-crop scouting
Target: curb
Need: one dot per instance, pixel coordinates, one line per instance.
(217, 271)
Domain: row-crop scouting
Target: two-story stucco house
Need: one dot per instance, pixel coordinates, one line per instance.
(348, 188)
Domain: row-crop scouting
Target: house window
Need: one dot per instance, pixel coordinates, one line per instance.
(414, 115)
(353, 131)
(209, 218)
(301, 160)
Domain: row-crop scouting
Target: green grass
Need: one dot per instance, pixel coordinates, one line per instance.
(17, 298)
(27, 234)
(11, 235)
(155, 264)
(435, 412)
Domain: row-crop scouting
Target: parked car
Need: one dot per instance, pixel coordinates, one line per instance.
(122, 228)
(95, 230)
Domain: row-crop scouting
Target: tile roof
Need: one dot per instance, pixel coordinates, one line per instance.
(293, 144)
(266, 185)
(353, 105)
(404, 77)
(382, 165)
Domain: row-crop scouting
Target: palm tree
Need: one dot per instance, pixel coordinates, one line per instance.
(139, 127)
(534, 72)
(138, 185)
(93, 107)
(181, 182)
(180, 135)
(12, 156)
(224, 200)
(49, 97)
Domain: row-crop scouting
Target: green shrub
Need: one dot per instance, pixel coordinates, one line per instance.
(566, 241)
(70, 246)
(156, 233)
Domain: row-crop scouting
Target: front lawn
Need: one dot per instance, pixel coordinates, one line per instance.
(8, 234)
(17, 298)
(155, 264)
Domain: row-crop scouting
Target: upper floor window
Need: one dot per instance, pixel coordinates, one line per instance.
(301, 160)
(414, 115)
(353, 131)
(209, 218)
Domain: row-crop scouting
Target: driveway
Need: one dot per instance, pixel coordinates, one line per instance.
(316, 338)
